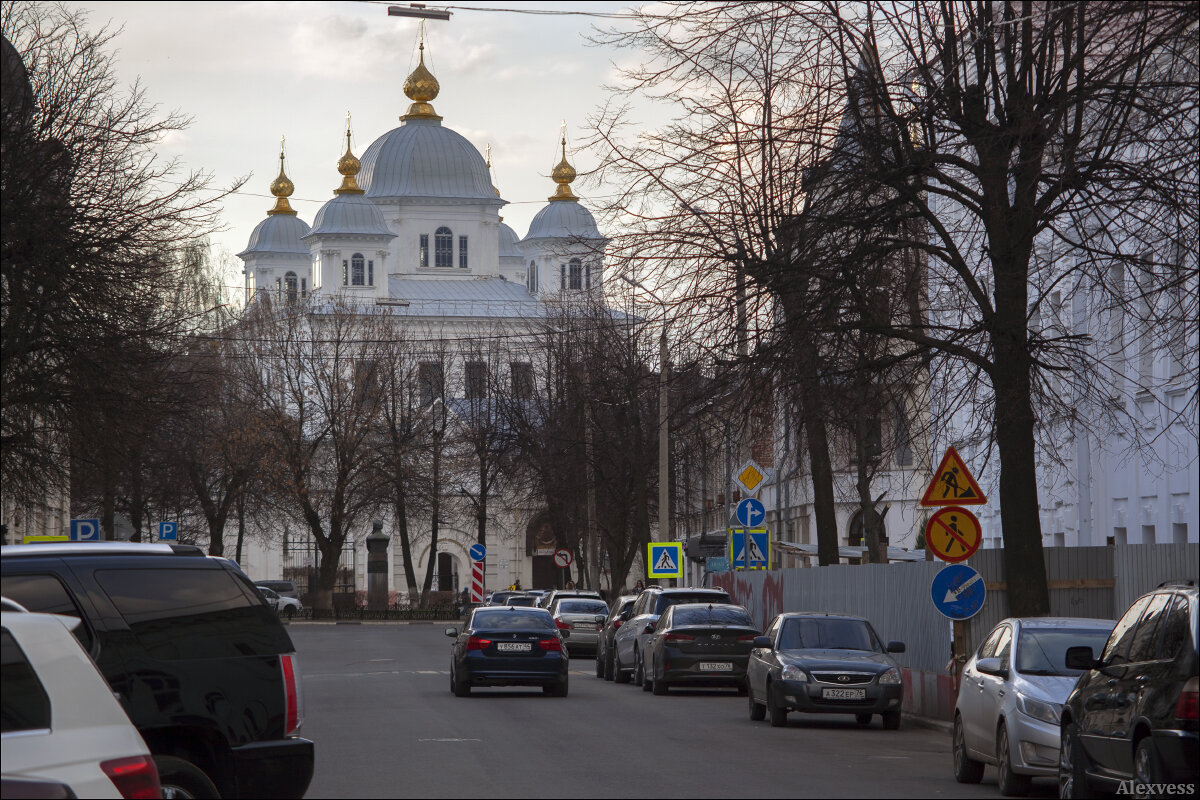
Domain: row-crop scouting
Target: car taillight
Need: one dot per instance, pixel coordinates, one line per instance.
(749, 638)
(1188, 706)
(678, 637)
(133, 777)
(562, 626)
(293, 695)
(551, 645)
(476, 643)
(618, 623)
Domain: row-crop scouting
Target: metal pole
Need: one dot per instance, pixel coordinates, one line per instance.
(664, 443)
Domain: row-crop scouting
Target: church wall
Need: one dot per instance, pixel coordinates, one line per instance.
(479, 223)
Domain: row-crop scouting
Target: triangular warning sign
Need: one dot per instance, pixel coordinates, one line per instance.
(953, 484)
(665, 563)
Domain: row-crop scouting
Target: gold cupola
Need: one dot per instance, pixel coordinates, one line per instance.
(282, 187)
(421, 87)
(348, 166)
(563, 174)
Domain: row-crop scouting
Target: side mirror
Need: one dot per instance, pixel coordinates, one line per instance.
(763, 642)
(601, 619)
(452, 632)
(1081, 658)
(649, 628)
(895, 647)
(992, 666)
(564, 633)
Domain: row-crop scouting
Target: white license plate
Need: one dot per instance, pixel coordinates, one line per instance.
(585, 626)
(843, 694)
(716, 666)
(514, 647)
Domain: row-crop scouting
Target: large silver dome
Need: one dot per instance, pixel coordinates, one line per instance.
(349, 214)
(423, 159)
(278, 233)
(563, 219)
(508, 242)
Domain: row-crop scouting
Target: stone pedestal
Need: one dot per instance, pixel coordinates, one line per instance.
(377, 569)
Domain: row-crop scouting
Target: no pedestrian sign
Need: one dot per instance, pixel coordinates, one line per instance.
(953, 534)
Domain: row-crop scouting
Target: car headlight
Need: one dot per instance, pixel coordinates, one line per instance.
(1039, 709)
(793, 673)
(891, 677)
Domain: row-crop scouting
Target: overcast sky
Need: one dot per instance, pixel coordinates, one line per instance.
(249, 73)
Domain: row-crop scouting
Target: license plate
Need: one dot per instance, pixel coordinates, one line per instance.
(716, 666)
(514, 647)
(585, 626)
(843, 694)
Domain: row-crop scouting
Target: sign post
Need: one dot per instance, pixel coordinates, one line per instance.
(478, 553)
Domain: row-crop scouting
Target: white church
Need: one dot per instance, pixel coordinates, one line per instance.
(415, 226)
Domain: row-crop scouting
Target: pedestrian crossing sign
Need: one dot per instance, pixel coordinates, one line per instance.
(953, 484)
(749, 548)
(665, 560)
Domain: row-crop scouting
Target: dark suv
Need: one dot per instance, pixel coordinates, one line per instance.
(1131, 720)
(200, 663)
(631, 637)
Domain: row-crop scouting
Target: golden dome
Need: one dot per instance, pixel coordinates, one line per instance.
(421, 87)
(282, 187)
(348, 166)
(563, 174)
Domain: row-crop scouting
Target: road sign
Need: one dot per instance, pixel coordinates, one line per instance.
(477, 581)
(562, 557)
(958, 592)
(750, 548)
(39, 539)
(750, 477)
(478, 552)
(717, 564)
(665, 560)
(751, 512)
(953, 484)
(85, 530)
(953, 534)
(168, 531)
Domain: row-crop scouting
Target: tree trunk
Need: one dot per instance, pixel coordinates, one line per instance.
(330, 551)
(241, 529)
(410, 572)
(431, 564)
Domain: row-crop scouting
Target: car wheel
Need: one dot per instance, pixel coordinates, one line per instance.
(560, 688)
(743, 687)
(778, 712)
(966, 769)
(639, 675)
(599, 665)
(758, 712)
(1011, 784)
(608, 666)
(1072, 766)
(183, 779)
(461, 688)
(862, 719)
(891, 720)
(619, 675)
(660, 686)
(646, 681)
(1147, 767)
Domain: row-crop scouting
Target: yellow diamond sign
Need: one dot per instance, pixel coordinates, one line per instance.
(751, 476)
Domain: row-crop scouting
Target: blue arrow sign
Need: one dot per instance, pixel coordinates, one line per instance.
(477, 552)
(168, 531)
(751, 512)
(85, 530)
(958, 592)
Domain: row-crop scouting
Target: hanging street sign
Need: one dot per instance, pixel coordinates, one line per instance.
(750, 477)
(751, 512)
(477, 552)
(953, 484)
(563, 557)
(717, 564)
(749, 548)
(665, 560)
(953, 534)
(958, 592)
(85, 530)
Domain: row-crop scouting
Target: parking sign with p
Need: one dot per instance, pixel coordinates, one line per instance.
(85, 530)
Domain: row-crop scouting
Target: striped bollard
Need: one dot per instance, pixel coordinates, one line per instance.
(476, 581)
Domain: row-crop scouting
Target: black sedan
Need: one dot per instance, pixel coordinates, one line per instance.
(824, 663)
(509, 646)
(705, 644)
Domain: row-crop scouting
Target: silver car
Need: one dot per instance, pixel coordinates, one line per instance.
(1010, 699)
(583, 617)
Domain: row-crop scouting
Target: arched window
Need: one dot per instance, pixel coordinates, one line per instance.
(443, 247)
(358, 276)
(576, 273)
(292, 285)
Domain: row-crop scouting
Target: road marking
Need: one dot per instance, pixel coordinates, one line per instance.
(371, 660)
(449, 740)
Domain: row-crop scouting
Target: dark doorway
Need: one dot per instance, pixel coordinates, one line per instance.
(447, 573)
(545, 574)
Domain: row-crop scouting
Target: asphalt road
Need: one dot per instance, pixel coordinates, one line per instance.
(379, 707)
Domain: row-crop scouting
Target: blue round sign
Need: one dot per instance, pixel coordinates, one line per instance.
(958, 592)
(751, 512)
(477, 552)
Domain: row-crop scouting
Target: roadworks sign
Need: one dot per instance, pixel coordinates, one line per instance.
(953, 484)
(665, 559)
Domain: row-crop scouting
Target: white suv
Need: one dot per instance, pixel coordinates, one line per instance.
(59, 720)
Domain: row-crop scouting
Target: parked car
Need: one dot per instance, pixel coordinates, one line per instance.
(1010, 698)
(824, 663)
(283, 606)
(550, 599)
(604, 643)
(630, 639)
(202, 666)
(1132, 717)
(704, 644)
(508, 646)
(499, 598)
(583, 617)
(281, 588)
(524, 600)
(64, 733)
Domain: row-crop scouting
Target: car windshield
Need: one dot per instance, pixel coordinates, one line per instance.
(665, 601)
(828, 634)
(521, 601)
(1043, 651)
(510, 619)
(713, 615)
(582, 607)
